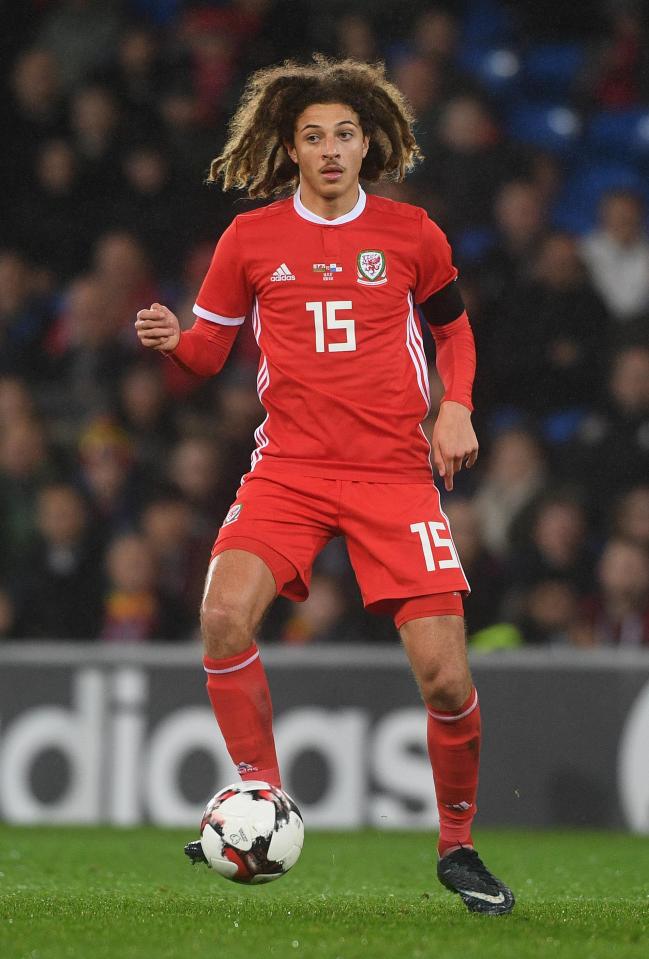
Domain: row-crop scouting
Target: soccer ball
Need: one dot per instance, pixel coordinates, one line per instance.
(251, 832)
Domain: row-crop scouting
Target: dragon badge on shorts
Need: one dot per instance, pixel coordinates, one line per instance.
(233, 513)
(371, 268)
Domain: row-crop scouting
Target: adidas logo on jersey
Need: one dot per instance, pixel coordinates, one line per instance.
(282, 274)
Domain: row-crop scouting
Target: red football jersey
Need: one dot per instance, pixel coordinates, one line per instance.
(342, 375)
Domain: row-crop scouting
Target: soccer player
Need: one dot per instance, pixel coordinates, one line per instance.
(331, 278)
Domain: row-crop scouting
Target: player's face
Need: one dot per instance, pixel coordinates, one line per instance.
(329, 146)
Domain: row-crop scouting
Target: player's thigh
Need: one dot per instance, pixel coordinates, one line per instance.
(285, 524)
(239, 588)
(399, 542)
(437, 649)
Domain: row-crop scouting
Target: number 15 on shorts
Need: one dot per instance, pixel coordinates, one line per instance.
(432, 543)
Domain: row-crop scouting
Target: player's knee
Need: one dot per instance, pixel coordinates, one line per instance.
(446, 690)
(226, 628)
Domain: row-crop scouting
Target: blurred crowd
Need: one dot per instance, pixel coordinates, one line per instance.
(117, 468)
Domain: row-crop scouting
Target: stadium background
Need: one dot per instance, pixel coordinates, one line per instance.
(116, 469)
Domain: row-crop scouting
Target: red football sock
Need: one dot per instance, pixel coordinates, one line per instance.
(454, 750)
(239, 694)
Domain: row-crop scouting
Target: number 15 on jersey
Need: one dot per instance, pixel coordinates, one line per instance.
(324, 318)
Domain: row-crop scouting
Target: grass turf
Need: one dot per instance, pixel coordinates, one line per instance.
(111, 894)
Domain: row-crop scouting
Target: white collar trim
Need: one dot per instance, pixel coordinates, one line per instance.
(355, 212)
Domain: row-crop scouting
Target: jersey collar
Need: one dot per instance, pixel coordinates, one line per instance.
(355, 212)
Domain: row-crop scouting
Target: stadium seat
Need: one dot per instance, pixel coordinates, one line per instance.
(619, 134)
(485, 24)
(576, 208)
(550, 70)
(552, 127)
(497, 69)
(473, 244)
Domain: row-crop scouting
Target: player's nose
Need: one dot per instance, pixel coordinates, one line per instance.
(330, 149)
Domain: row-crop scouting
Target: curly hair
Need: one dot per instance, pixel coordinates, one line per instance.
(254, 157)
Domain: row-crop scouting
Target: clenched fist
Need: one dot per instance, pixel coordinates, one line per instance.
(158, 328)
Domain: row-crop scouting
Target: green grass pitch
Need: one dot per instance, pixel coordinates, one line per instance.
(130, 894)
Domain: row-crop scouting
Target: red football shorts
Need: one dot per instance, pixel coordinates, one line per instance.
(397, 536)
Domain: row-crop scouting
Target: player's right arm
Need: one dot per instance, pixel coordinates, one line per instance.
(224, 300)
(202, 350)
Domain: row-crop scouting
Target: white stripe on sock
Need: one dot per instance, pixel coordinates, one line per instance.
(453, 719)
(233, 669)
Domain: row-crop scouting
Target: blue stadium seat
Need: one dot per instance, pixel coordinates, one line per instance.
(619, 134)
(472, 244)
(550, 70)
(497, 69)
(485, 24)
(576, 208)
(552, 127)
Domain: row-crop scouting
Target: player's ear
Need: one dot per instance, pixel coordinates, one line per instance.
(366, 145)
(290, 149)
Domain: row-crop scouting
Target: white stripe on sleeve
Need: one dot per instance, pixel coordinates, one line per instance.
(217, 318)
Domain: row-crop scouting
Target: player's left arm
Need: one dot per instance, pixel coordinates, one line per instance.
(454, 441)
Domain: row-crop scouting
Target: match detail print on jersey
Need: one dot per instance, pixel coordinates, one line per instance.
(343, 377)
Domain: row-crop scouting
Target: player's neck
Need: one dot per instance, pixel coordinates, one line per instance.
(329, 208)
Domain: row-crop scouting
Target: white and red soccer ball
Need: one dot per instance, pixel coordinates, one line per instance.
(251, 832)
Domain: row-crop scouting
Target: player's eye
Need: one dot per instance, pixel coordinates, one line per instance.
(346, 134)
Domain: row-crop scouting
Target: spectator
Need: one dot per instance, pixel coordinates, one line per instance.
(520, 218)
(321, 618)
(356, 37)
(121, 264)
(554, 362)
(16, 402)
(195, 469)
(553, 548)
(421, 81)
(617, 256)
(79, 33)
(515, 474)
(435, 34)
(134, 610)
(632, 516)
(182, 557)
(42, 216)
(85, 350)
(483, 570)
(611, 453)
(24, 469)
(35, 111)
(151, 206)
(136, 73)
(95, 123)
(24, 318)
(549, 612)
(108, 476)
(61, 580)
(8, 621)
(618, 613)
(618, 77)
(239, 414)
(144, 413)
(190, 142)
(470, 164)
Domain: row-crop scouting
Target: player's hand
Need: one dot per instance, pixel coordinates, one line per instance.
(454, 441)
(158, 328)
